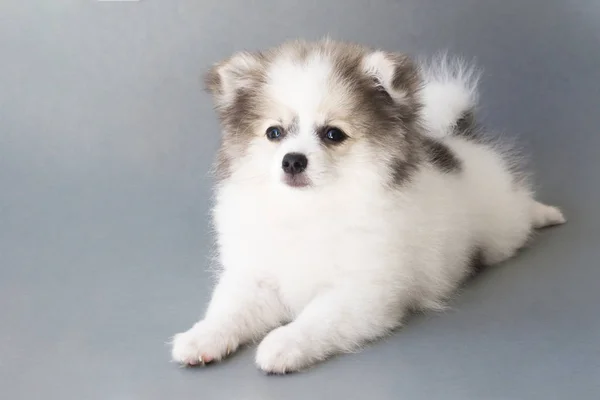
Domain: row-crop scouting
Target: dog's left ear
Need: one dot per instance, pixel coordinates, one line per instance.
(225, 79)
(396, 73)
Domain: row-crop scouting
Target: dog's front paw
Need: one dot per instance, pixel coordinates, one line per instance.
(282, 351)
(202, 344)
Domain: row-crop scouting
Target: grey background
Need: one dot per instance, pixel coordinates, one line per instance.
(105, 142)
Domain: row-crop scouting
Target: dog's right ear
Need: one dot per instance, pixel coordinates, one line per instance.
(239, 72)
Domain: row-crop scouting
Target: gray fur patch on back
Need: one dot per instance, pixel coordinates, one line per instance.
(467, 126)
(441, 156)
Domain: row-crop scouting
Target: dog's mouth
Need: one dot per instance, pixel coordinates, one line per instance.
(296, 181)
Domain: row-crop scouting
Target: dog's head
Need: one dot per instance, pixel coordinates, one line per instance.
(307, 115)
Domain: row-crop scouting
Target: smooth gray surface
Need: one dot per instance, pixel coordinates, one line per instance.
(105, 143)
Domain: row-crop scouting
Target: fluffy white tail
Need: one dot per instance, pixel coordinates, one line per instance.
(449, 94)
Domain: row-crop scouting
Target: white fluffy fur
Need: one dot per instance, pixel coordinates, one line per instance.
(324, 270)
(450, 89)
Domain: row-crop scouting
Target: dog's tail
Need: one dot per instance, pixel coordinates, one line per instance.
(448, 95)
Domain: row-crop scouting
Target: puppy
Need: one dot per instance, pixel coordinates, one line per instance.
(353, 187)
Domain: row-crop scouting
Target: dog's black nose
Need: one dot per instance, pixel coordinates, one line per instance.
(294, 163)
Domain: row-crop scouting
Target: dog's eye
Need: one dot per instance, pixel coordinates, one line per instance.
(335, 135)
(274, 133)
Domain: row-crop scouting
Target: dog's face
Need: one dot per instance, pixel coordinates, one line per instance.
(306, 115)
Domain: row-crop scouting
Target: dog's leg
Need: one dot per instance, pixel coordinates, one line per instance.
(544, 215)
(241, 310)
(334, 322)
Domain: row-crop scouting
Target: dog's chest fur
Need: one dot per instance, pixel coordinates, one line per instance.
(303, 243)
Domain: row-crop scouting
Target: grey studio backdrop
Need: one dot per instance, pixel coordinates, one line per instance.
(106, 138)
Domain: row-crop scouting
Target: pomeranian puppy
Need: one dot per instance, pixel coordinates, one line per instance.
(353, 186)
